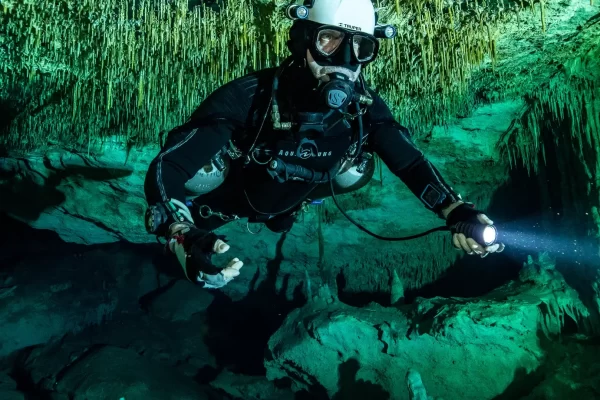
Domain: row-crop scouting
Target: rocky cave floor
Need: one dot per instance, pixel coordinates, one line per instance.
(114, 322)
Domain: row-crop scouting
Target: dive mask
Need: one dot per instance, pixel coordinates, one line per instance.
(335, 57)
(342, 47)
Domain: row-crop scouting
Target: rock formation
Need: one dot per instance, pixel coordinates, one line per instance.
(503, 96)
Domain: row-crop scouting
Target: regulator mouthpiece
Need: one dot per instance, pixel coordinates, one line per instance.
(338, 93)
(295, 12)
(485, 235)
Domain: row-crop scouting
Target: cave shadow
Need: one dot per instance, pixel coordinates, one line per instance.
(349, 387)
(26, 199)
(524, 382)
(23, 377)
(471, 276)
(165, 264)
(359, 299)
(34, 256)
(7, 114)
(167, 271)
(23, 99)
(238, 331)
(10, 107)
(20, 371)
(19, 241)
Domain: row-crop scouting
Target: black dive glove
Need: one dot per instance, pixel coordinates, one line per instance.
(465, 212)
(194, 249)
(472, 231)
(199, 247)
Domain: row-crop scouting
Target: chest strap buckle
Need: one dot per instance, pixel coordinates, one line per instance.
(233, 151)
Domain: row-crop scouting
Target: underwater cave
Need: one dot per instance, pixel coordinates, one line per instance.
(105, 106)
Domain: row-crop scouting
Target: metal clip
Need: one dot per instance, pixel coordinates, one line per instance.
(205, 212)
(352, 117)
(303, 208)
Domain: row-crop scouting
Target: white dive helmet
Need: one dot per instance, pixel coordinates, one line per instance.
(356, 15)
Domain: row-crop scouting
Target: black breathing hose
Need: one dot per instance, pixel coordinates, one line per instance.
(389, 239)
(360, 131)
(359, 226)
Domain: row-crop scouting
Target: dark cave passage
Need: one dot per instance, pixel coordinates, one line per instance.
(240, 330)
(235, 332)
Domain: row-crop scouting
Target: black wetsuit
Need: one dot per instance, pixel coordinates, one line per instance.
(237, 110)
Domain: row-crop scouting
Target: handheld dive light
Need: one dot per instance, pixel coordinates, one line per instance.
(485, 235)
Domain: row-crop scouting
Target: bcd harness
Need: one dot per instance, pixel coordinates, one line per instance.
(317, 122)
(284, 171)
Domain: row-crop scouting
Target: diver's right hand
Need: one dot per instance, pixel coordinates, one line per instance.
(194, 249)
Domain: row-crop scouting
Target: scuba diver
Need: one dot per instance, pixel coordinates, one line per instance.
(266, 145)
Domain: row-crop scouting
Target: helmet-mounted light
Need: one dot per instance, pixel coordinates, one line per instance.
(295, 12)
(385, 32)
(301, 12)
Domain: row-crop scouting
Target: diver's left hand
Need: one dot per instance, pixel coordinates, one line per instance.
(466, 213)
(223, 277)
(470, 246)
(218, 279)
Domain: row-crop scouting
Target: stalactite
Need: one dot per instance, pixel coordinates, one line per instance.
(155, 49)
(564, 99)
(543, 15)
